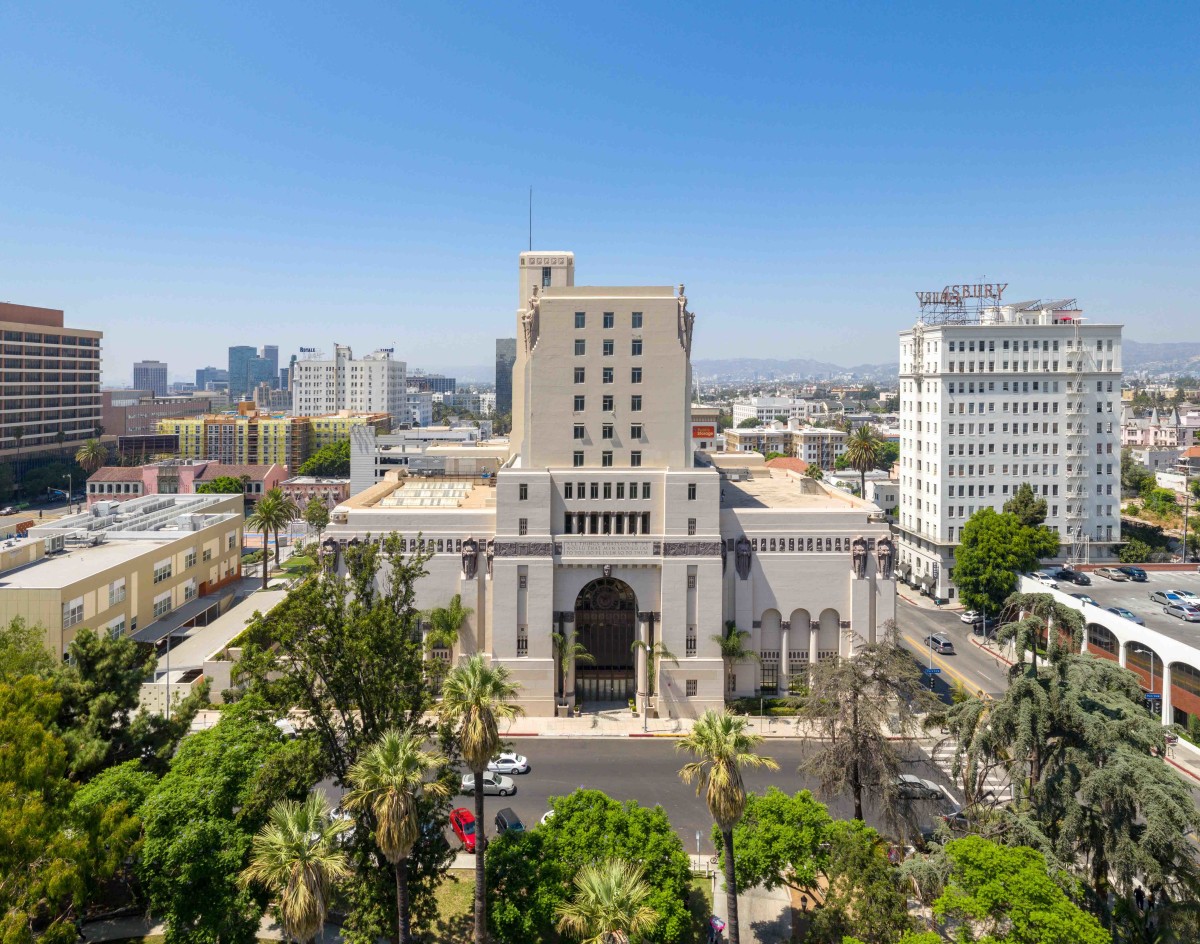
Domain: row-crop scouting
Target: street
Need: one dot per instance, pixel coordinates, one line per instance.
(974, 668)
(647, 770)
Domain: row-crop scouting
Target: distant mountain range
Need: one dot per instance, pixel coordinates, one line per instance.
(1182, 357)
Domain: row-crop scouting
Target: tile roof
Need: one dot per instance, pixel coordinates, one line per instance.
(117, 473)
(215, 470)
(786, 462)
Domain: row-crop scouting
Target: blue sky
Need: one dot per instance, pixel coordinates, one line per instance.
(186, 177)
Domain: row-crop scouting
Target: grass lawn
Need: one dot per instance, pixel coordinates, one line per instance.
(299, 562)
(455, 902)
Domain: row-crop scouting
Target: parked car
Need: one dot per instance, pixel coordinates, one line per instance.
(986, 627)
(971, 616)
(939, 643)
(1085, 598)
(1165, 597)
(1185, 612)
(509, 762)
(546, 817)
(912, 787)
(1127, 614)
(1111, 573)
(8, 510)
(1135, 574)
(1187, 596)
(493, 784)
(1073, 576)
(1045, 579)
(462, 821)
(509, 822)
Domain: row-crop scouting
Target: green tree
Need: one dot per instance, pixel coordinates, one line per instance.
(316, 515)
(1026, 506)
(841, 462)
(863, 894)
(889, 454)
(274, 512)
(734, 645)
(995, 547)
(222, 485)
(1134, 475)
(780, 840)
(529, 874)
(331, 461)
(476, 697)
(863, 453)
(656, 654)
(23, 650)
(1134, 551)
(296, 858)
(445, 622)
(858, 703)
(92, 455)
(199, 825)
(608, 904)
(567, 652)
(1005, 895)
(723, 747)
(751, 422)
(387, 782)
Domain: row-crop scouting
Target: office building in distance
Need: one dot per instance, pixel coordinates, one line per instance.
(377, 383)
(997, 396)
(506, 356)
(152, 376)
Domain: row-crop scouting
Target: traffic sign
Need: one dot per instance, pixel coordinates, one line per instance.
(932, 671)
(1153, 696)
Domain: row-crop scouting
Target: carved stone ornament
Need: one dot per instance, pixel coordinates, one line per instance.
(686, 320)
(858, 557)
(606, 570)
(692, 548)
(491, 552)
(742, 557)
(724, 558)
(885, 556)
(519, 549)
(470, 558)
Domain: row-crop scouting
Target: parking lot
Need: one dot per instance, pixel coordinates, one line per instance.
(1135, 597)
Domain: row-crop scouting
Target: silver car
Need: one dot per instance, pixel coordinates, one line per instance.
(1165, 597)
(493, 784)
(1185, 612)
(912, 787)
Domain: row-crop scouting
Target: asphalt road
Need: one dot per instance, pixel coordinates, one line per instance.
(975, 669)
(647, 770)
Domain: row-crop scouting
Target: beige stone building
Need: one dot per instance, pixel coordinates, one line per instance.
(142, 568)
(605, 524)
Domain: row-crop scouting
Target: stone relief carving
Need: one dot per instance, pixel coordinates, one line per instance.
(692, 548)
(686, 320)
(742, 557)
(530, 320)
(606, 570)
(519, 549)
(491, 552)
(858, 557)
(470, 558)
(885, 556)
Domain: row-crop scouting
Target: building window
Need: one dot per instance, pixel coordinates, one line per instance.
(522, 641)
(645, 522)
(116, 592)
(606, 431)
(607, 403)
(579, 375)
(162, 572)
(607, 490)
(579, 404)
(580, 347)
(568, 490)
(637, 347)
(580, 319)
(691, 641)
(691, 527)
(579, 433)
(691, 491)
(635, 375)
(635, 403)
(606, 459)
(116, 629)
(608, 347)
(637, 319)
(523, 526)
(635, 431)
(72, 612)
(609, 320)
(207, 555)
(523, 492)
(690, 688)
(607, 376)
(189, 590)
(545, 276)
(620, 490)
(189, 560)
(577, 459)
(645, 490)
(595, 493)
(162, 607)
(635, 459)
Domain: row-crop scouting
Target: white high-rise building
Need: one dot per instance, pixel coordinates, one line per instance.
(992, 398)
(376, 383)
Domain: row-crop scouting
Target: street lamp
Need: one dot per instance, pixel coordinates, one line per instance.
(1150, 653)
(70, 491)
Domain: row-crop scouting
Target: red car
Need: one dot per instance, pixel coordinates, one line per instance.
(462, 821)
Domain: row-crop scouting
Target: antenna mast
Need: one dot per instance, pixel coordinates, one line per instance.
(531, 218)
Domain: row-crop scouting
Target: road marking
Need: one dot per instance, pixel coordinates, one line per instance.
(941, 663)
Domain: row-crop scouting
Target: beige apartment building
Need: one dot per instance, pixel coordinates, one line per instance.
(142, 568)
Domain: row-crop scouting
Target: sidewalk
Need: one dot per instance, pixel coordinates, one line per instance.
(909, 595)
(1185, 757)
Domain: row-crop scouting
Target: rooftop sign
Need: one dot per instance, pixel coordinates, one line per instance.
(956, 296)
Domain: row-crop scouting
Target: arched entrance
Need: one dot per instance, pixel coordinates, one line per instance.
(606, 624)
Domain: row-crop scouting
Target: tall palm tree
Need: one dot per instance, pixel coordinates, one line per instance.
(445, 622)
(654, 656)
(263, 519)
(60, 437)
(568, 652)
(295, 857)
(732, 644)
(608, 904)
(475, 698)
(723, 746)
(18, 434)
(92, 455)
(862, 452)
(387, 781)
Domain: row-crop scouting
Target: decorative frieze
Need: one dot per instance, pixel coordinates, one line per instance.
(524, 549)
(691, 549)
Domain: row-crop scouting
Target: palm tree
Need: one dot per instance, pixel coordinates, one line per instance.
(732, 644)
(387, 781)
(654, 656)
(445, 622)
(475, 698)
(724, 746)
(608, 905)
(273, 512)
(60, 437)
(91, 455)
(262, 519)
(568, 653)
(295, 857)
(18, 434)
(862, 452)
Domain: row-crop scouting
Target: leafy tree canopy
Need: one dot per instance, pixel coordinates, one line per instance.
(329, 461)
(531, 873)
(1134, 552)
(748, 423)
(23, 651)
(780, 840)
(995, 548)
(316, 515)
(1029, 509)
(1134, 475)
(222, 485)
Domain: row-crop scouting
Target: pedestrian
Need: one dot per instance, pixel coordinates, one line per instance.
(1139, 897)
(1150, 902)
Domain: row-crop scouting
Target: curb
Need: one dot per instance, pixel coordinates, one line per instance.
(653, 734)
(984, 649)
(1182, 769)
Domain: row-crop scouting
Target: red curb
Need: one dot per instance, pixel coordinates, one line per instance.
(1182, 768)
(522, 734)
(995, 655)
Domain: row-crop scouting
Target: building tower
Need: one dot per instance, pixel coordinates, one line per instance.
(152, 376)
(506, 356)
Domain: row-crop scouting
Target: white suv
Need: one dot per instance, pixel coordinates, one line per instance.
(1045, 579)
